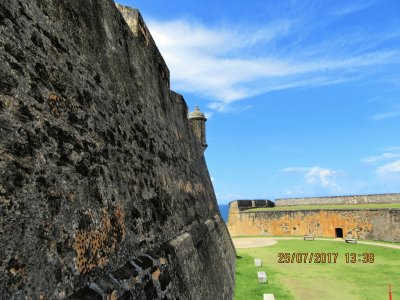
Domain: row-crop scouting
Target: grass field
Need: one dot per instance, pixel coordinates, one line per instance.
(329, 207)
(308, 281)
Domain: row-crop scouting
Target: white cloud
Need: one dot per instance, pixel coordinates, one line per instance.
(184, 34)
(389, 169)
(315, 175)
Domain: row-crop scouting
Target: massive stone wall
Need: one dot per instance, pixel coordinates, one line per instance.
(355, 199)
(104, 190)
(374, 224)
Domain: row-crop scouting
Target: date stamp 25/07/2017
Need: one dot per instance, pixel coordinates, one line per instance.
(324, 257)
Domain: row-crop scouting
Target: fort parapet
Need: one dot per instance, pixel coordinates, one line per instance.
(247, 204)
(335, 200)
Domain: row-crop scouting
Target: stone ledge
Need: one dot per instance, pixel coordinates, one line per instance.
(351, 199)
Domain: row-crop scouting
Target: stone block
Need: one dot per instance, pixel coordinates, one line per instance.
(257, 262)
(85, 293)
(126, 272)
(262, 277)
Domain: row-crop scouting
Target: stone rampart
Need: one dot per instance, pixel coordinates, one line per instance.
(355, 199)
(373, 224)
(139, 29)
(104, 189)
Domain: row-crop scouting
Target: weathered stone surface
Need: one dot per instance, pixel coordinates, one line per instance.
(372, 224)
(104, 190)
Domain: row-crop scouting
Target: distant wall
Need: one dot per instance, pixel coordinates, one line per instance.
(374, 224)
(247, 204)
(355, 199)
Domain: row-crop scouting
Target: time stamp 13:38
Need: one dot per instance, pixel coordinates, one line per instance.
(323, 257)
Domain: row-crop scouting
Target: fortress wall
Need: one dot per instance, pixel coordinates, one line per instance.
(374, 224)
(139, 29)
(104, 189)
(356, 199)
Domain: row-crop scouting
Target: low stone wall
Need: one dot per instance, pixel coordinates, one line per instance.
(355, 199)
(372, 224)
(247, 204)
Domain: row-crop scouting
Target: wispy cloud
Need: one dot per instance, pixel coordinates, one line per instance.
(390, 169)
(208, 114)
(231, 63)
(379, 158)
(315, 175)
(392, 148)
(386, 115)
(226, 197)
(228, 107)
(380, 99)
(387, 164)
(352, 8)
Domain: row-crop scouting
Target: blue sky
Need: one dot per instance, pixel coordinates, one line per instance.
(302, 97)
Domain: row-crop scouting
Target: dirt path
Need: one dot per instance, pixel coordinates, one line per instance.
(253, 242)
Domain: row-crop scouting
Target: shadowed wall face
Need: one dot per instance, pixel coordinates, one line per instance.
(101, 178)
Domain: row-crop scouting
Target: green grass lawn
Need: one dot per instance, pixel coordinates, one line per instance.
(327, 207)
(310, 281)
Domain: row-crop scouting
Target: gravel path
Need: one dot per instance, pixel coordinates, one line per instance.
(253, 242)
